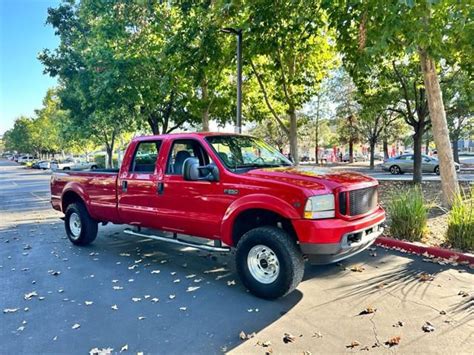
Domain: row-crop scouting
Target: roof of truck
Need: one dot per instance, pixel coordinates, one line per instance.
(186, 135)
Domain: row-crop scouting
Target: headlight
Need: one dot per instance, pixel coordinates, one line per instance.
(318, 207)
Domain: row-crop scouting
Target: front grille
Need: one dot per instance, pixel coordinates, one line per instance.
(359, 201)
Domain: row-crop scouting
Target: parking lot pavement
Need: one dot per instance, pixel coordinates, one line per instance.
(160, 298)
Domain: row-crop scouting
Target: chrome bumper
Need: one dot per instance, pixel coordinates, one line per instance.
(351, 243)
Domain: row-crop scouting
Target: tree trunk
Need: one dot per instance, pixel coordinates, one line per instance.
(385, 148)
(153, 122)
(351, 150)
(449, 182)
(417, 143)
(455, 151)
(293, 137)
(205, 111)
(372, 154)
(427, 144)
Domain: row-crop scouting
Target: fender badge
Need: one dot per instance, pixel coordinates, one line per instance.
(231, 192)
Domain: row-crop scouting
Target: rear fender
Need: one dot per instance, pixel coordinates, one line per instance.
(79, 190)
(254, 201)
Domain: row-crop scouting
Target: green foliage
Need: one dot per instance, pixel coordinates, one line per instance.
(460, 233)
(408, 215)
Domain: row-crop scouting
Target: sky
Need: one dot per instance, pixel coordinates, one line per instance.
(23, 34)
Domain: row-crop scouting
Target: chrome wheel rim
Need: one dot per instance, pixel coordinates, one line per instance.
(75, 225)
(263, 264)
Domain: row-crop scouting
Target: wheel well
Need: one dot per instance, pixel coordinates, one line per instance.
(254, 218)
(68, 198)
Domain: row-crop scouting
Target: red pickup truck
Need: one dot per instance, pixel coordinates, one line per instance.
(234, 190)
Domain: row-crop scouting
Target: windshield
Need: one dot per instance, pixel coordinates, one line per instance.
(243, 152)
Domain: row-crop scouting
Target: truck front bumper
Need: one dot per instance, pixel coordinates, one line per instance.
(331, 240)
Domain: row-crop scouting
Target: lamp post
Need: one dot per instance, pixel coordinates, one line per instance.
(238, 33)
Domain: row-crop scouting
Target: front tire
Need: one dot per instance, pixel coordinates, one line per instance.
(81, 229)
(395, 170)
(437, 170)
(269, 262)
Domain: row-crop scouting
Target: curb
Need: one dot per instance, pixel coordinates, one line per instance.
(432, 252)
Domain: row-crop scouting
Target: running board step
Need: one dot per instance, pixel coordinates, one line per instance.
(178, 241)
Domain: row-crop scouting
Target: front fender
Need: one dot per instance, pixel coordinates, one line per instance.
(254, 201)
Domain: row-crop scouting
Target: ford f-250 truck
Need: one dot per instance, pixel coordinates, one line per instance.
(233, 189)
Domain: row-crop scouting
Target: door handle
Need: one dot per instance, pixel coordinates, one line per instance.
(160, 187)
(124, 185)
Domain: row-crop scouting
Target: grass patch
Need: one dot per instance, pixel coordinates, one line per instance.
(460, 233)
(408, 214)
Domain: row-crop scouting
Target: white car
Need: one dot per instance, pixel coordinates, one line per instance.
(72, 164)
(25, 159)
(45, 164)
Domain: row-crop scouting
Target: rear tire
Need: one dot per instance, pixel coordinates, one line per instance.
(81, 229)
(395, 170)
(269, 262)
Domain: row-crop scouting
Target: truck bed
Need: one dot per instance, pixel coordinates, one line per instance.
(99, 188)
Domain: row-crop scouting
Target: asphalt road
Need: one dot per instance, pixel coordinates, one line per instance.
(158, 298)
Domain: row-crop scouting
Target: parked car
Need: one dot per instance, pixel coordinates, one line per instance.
(356, 157)
(72, 164)
(206, 185)
(405, 162)
(25, 158)
(45, 164)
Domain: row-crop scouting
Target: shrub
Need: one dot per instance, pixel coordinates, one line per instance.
(460, 233)
(100, 160)
(408, 215)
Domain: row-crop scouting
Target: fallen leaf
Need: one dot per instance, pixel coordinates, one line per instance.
(463, 293)
(288, 338)
(124, 348)
(97, 351)
(76, 326)
(393, 341)
(264, 344)
(190, 276)
(10, 310)
(353, 344)
(155, 271)
(124, 254)
(136, 299)
(172, 297)
(357, 268)
(182, 308)
(425, 277)
(192, 288)
(29, 296)
(368, 310)
(155, 299)
(231, 283)
(141, 318)
(114, 307)
(317, 335)
(88, 303)
(381, 285)
(428, 327)
(176, 281)
(398, 324)
(244, 336)
(118, 288)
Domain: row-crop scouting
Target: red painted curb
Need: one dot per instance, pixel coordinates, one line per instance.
(420, 249)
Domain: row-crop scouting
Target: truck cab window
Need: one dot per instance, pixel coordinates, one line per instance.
(144, 160)
(182, 150)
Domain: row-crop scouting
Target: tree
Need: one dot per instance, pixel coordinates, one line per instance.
(19, 137)
(290, 53)
(459, 104)
(371, 30)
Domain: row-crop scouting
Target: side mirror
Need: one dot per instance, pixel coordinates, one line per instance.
(193, 172)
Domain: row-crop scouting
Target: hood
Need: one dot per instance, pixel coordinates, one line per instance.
(314, 178)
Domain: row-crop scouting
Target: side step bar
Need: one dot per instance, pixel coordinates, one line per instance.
(178, 241)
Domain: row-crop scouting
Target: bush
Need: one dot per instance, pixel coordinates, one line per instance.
(460, 233)
(408, 214)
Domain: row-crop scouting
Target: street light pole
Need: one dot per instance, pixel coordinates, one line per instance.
(238, 33)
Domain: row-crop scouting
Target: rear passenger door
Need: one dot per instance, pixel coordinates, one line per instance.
(137, 187)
